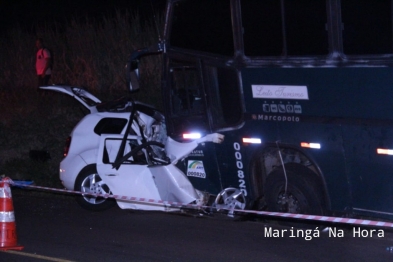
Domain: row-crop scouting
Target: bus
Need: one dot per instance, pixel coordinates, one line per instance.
(301, 92)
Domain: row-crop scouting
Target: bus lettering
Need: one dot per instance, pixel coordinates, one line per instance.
(238, 155)
(239, 165)
(277, 118)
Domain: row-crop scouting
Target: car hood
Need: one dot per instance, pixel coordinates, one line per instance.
(84, 97)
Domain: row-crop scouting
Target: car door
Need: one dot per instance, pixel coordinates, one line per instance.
(133, 179)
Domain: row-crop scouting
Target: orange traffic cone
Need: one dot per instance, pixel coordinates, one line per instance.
(8, 238)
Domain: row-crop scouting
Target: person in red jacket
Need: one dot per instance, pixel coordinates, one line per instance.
(43, 63)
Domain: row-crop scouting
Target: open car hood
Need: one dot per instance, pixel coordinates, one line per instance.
(84, 97)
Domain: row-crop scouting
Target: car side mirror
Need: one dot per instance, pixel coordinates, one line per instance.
(134, 80)
(132, 72)
(132, 75)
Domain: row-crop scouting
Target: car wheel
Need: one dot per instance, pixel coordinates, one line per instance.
(88, 181)
(299, 193)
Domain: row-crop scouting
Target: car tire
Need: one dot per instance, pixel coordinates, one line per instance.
(88, 181)
(303, 193)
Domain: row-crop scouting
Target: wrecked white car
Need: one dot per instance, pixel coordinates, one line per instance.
(121, 149)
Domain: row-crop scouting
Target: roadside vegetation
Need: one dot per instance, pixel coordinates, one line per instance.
(87, 53)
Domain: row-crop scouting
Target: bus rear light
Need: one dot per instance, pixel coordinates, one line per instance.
(382, 151)
(251, 140)
(191, 135)
(310, 145)
(67, 146)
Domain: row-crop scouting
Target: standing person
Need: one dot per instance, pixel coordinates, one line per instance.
(42, 63)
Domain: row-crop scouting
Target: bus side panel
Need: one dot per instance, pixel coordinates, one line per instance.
(234, 156)
(201, 168)
(371, 174)
(337, 93)
(347, 110)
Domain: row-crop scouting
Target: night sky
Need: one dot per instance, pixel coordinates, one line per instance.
(27, 12)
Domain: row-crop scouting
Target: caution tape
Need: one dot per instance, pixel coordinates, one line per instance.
(351, 221)
(117, 197)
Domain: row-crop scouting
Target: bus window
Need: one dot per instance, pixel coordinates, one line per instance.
(186, 92)
(304, 31)
(367, 27)
(186, 99)
(225, 104)
(265, 39)
(203, 25)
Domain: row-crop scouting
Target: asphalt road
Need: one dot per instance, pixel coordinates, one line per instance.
(53, 228)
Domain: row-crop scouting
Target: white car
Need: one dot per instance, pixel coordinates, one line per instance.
(107, 154)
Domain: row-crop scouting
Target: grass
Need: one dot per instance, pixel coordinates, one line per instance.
(86, 53)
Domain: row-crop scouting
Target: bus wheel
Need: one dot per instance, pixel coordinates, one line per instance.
(299, 193)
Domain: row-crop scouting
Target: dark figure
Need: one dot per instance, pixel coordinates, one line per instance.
(43, 63)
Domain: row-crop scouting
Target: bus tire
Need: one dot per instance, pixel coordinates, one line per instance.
(303, 194)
